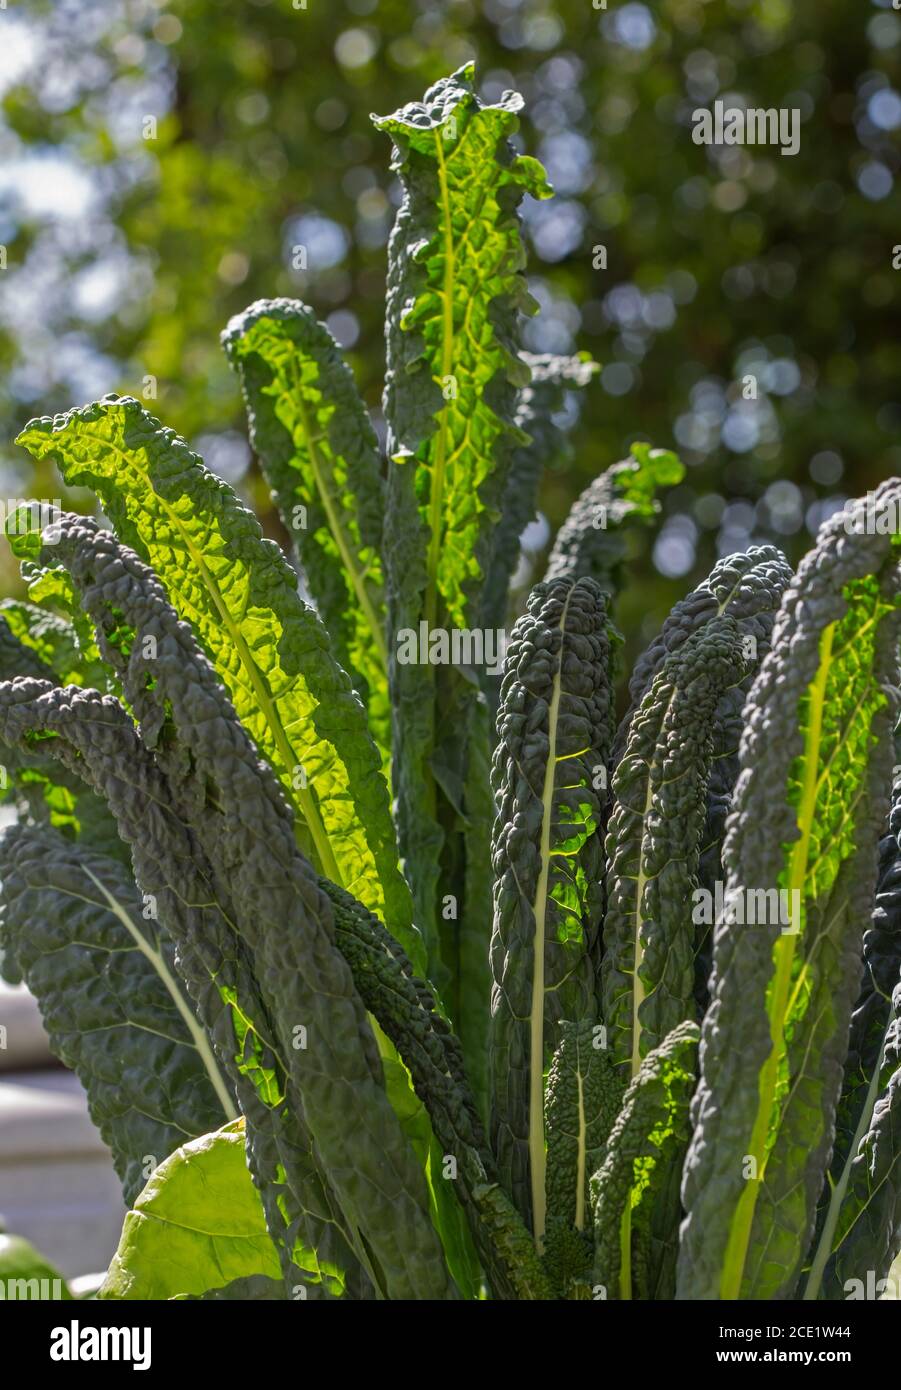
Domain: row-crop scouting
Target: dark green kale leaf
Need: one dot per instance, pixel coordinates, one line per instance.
(654, 840)
(636, 1189)
(810, 803)
(549, 773)
(103, 972)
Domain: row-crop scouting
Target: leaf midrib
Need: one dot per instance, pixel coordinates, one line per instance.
(436, 493)
(304, 800)
(352, 568)
(783, 956)
(537, 1154)
(158, 962)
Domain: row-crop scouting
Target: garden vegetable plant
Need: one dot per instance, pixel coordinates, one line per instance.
(391, 977)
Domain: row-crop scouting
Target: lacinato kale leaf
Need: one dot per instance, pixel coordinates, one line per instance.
(531, 1026)
(636, 1200)
(549, 774)
(654, 843)
(860, 1206)
(319, 452)
(245, 830)
(43, 792)
(590, 543)
(104, 974)
(269, 649)
(406, 1011)
(93, 736)
(859, 1237)
(582, 1099)
(747, 588)
(455, 293)
(814, 785)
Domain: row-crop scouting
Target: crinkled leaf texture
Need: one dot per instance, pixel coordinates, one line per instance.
(405, 1009)
(269, 649)
(52, 639)
(43, 792)
(272, 909)
(276, 902)
(198, 1225)
(319, 452)
(810, 803)
(859, 1220)
(861, 1236)
(537, 414)
(582, 1100)
(455, 290)
(748, 588)
(636, 1189)
(590, 543)
(554, 735)
(654, 843)
(92, 735)
(113, 1005)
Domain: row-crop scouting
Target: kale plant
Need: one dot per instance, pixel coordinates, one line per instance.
(386, 976)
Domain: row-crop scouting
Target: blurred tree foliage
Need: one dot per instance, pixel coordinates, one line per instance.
(167, 158)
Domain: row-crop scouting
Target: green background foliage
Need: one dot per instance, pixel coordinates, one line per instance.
(127, 255)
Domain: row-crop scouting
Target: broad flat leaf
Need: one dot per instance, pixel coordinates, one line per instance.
(554, 736)
(269, 649)
(111, 1000)
(319, 452)
(253, 1288)
(810, 804)
(25, 1274)
(197, 1225)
